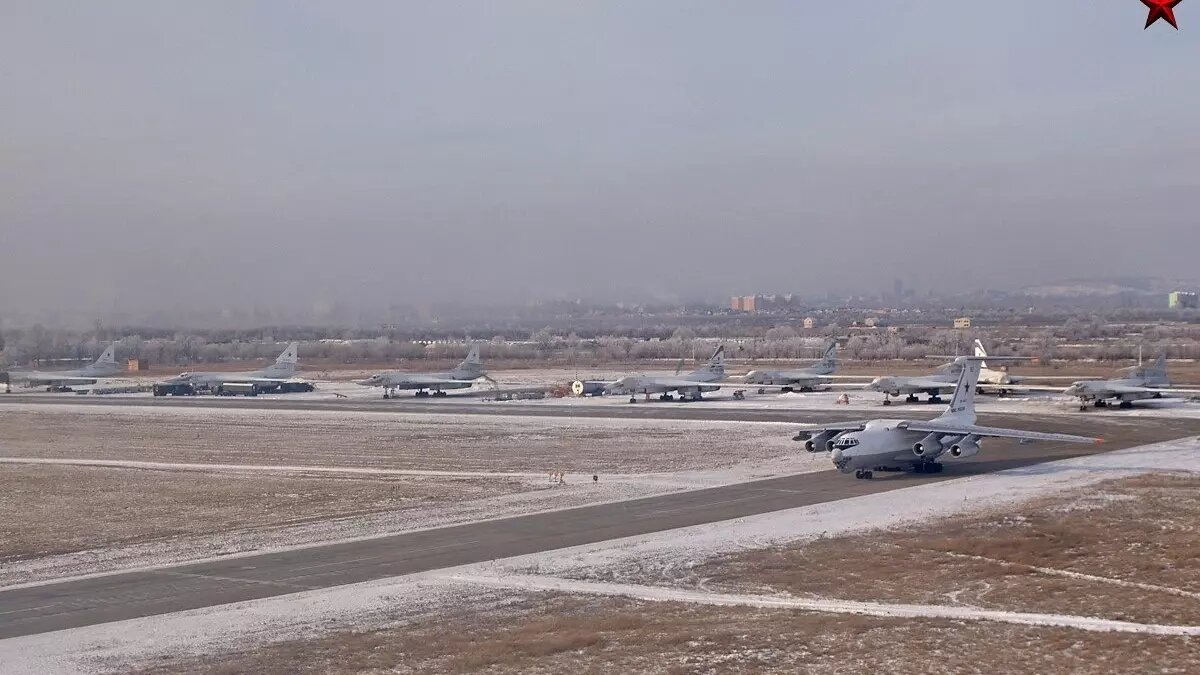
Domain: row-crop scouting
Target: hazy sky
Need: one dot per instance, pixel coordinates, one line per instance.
(156, 154)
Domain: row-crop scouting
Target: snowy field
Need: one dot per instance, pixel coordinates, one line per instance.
(225, 481)
(637, 567)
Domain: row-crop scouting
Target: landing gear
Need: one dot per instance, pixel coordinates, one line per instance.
(911, 398)
(863, 475)
(1126, 405)
(421, 393)
(928, 467)
(666, 397)
(934, 398)
(440, 393)
(762, 390)
(633, 399)
(887, 400)
(1100, 403)
(787, 390)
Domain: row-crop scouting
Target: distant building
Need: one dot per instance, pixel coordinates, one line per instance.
(735, 303)
(1183, 300)
(869, 322)
(809, 322)
(749, 303)
(962, 322)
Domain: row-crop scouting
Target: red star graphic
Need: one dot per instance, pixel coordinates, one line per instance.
(1161, 9)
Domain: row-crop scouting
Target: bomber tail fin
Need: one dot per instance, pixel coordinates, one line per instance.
(287, 361)
(472, 365)
(108, 358)
(981, 352)
(829, 358)
(1156, 373)
(715, 366)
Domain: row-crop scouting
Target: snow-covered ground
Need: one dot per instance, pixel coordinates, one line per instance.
(501, 453)
(615, 568)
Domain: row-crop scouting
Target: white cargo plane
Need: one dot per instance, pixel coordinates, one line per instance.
(105, 366)
(267, 379)
(1134, 384)
(899, 445)
(801, 379)
(690, 387)
(462, 377)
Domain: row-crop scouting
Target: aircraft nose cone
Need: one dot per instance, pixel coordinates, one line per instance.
(836, 456)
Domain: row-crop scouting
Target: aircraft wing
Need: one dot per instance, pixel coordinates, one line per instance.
(1023, 387)
(925, 383)
(429, 380)
(994, 432)
(51, 379)
(1172, 390)
(681, 382)
(813, 429)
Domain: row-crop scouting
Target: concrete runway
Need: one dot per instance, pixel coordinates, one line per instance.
(114, 597)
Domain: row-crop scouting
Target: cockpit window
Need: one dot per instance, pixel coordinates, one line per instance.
(845, 442)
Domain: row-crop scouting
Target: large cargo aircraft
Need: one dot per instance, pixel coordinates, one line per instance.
(916, 445)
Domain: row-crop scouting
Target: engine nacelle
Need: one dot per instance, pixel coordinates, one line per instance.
(929, 446)
(820, 442)
(968, 447)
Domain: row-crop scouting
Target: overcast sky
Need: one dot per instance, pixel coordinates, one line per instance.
(157, 154)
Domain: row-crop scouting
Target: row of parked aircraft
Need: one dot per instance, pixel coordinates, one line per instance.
(1129, 385)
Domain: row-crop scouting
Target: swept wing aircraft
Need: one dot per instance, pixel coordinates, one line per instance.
(1134, 384)
(915, 445)
(800, 379)
(689, 387)
(462, 377)
(105, 366)
(267, 379)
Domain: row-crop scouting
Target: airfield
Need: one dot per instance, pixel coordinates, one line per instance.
(345, 532)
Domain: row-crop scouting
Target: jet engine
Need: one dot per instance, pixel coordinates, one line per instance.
(820, 442)
(931, 445)
(967, 447)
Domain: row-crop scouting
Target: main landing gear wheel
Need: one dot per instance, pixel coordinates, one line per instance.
(934, 399)
(864, 475)
(929, 467)
(440, 393)
(421, 394)
(911, 398)
(1126, 404)
(887, 401)
(633, 399)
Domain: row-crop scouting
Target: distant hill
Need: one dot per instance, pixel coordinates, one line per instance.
(1108, 287)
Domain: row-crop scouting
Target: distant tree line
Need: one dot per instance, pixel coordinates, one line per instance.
(1072, 340)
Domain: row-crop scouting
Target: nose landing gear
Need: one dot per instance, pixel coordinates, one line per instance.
(864, 475)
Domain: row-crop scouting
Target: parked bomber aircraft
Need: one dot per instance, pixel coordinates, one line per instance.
(271, 378)
(899, 445)
(943, 380)
(1134, 384)
(689, 387)
(462, 377)
(802, 379)
(105, 366)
